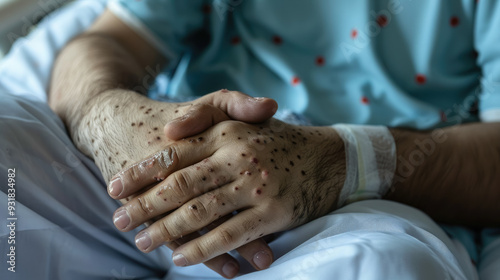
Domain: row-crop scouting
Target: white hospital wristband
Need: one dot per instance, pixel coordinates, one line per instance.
(370, 162)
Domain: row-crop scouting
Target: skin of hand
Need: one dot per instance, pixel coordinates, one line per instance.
(275, 176)
(124, 126)
(94, 85)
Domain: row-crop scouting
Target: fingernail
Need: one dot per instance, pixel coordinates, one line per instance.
(116, 187)
(179, 260)
(121, 219)
(230, 269)
(143, 241)
(262, 260)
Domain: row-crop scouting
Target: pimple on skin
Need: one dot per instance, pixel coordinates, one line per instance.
(264, 174)
(298, 156)
(287, 170)
(228, 164)
(258, 191)
(248, 173)
(123, 163)
(256, 140)
(117, 153)
(116, 107)
(255, 160)
(191, 140)
(142, 107)
(155, 129)
(193, 207)
(165, 199)
(198, 168)
(223, 204)
(303, 172)
(109, 158)
(127, 199)
(133, 124)
(243, 155)
(239, 138)
(141, 124)
(275, 150)
(176, 111)
(158, 138)
(210, 169)
(236, 188)
(200, 139)
(291, 163)
(161, 110)
(204, 178)
(263, 185)
(281, 136)
(223, 134)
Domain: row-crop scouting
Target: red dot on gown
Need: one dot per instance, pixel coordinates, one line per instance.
(420, 79)
(277, 40)
(454, 21)
(295, 81)
(320, 61)
(354, 33)
(382, 20)
(235, 40)
(365, 100)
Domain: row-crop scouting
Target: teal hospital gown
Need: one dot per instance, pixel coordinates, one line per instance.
(401, 63)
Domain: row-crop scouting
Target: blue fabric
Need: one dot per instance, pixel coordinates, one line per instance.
(407, 63)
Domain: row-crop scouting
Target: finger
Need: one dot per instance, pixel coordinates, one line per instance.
(234, 105)
(225, 264)
(158, 166)
(199, 118)
(190, 217)
(175, 190)
(237, 231)
(257, 253)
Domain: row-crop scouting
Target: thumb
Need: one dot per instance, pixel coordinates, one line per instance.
(222, 105)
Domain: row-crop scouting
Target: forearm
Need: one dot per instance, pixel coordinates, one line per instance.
(89, 65)
(451, 173)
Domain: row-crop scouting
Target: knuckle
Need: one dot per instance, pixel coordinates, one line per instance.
(197, 211)
(200, 251)
(227, 237)
(143, 206)
(165, 233)
(180, 187)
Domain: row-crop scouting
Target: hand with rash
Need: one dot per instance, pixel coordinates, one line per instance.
(123, 127)
(274, 176)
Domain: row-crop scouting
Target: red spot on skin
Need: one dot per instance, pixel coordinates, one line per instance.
(205, 160)
(239, 138)
(248, 173)
(210, 169)
(382, 21)
(224, 90)
(235, 40)
(354, 33)
(198, 168)
(420, 79)
(165, 199)
(155, 129)
(228, 164)
(258, 191)
(295, 81)
(277, 40)
(236, 188)
(256, 140)
(264, 174)
(255, 160)
(320, 61)
(454, 21)
(365, 100)
(243, 155)
(223, 134)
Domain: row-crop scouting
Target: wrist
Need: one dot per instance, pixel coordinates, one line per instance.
(370, 162)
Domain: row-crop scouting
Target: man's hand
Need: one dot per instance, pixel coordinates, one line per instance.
(274, 176)
(123, 127)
